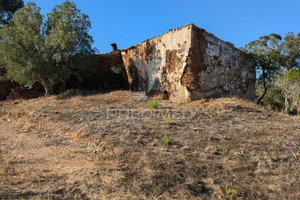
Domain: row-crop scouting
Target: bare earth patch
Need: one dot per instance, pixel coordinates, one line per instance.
(99, 147)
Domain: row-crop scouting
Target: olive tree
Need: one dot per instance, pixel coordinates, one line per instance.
(45, 51)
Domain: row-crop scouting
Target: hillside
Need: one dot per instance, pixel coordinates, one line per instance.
(89, 147)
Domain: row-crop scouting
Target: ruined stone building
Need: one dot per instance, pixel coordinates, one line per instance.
(188, 63)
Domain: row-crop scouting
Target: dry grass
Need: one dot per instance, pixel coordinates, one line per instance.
(67, 148)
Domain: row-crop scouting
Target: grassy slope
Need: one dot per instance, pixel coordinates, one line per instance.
(70, 149)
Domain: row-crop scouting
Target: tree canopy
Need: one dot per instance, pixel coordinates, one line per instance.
(46, 52)
(289, 83)
(274, 56)
(266, 52)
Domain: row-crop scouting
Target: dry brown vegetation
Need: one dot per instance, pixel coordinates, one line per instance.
(65, 147)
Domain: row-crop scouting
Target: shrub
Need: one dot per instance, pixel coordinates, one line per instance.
(168, 120)
(85, 151)
(230, 192)
(106, 161)
(167, 139)
(117, 69)
(153, 104)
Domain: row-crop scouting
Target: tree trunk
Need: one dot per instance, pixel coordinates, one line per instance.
(47, 87)
(265, 92)
(286, 105)
(46, 91)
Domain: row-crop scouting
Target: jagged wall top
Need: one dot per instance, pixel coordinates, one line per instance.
(191, 25)
(169, 31)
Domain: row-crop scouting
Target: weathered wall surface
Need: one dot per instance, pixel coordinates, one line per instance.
(109, 72)
(189, 64)
(157, 64)
(218, 68)
(5, 86)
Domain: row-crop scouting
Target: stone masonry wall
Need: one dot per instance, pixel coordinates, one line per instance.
(218, 68)
(189, 64)
(5, 86)
(110, 72)
(157, 64)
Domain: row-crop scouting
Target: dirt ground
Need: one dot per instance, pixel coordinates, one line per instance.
(112, 146)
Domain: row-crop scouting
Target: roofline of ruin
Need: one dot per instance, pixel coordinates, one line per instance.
(171, 30)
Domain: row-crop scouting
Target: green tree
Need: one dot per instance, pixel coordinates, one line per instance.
(48, 53)
(267, 53)
(68, 39)
(290, 54)
(7, 9)
(289, 83)
(22, 49)
(273, 99)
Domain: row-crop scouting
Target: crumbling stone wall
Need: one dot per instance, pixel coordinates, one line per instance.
(218, 68)
(5, 86)
(189, 64)
(158, 64)
(110, 72)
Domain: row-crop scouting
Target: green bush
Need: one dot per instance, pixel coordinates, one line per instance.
(153, 104)
(167, 139)
(106, 161)
(231, 193)
(168, 120)
(273, 100)
(117, 69)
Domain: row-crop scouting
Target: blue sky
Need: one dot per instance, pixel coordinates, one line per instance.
(128, 22)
